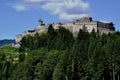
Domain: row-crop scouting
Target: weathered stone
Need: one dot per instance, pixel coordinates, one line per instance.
(83, 23)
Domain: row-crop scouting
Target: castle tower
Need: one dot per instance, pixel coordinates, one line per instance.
(18, 38)
(40, 23)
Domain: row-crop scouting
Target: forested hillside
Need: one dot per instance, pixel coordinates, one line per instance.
(57, 55)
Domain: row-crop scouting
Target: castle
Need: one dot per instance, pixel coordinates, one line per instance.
(83, 23)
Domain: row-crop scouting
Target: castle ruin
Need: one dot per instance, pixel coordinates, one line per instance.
(74, 27)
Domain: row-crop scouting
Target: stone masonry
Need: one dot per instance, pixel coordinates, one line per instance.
(74, 26)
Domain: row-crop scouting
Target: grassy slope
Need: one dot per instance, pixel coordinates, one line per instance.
(9, 51)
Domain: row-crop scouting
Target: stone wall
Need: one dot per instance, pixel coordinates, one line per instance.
(105, 28)
(74, 27)
(30, 32)
(42, 29)
(89, 25)
(18, 38)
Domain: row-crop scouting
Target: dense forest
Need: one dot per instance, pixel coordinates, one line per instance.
(57, 55)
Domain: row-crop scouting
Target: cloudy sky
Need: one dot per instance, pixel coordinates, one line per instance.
(16, 16)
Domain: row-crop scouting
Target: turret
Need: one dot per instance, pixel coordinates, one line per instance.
(40, 22)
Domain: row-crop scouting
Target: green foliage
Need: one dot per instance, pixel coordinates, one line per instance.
(60, 68)
(9, 50)
(7, 62)
(57, 55)
(44, 71)
(25, 70)
(64, 40)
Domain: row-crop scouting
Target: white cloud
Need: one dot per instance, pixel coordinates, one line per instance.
(105, 21)
(19, 7)
(65, 9)
(68, 9)
(39, 1)
(33, 0)
(65, 16)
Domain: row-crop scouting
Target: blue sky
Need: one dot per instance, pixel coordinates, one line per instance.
(16, 16)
